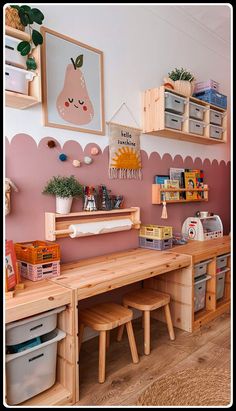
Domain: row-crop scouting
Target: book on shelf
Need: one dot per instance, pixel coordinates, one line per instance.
(171, 195)
(199, 182)
(160, 179)
(178, 174)
(10, 266)
(190, 183)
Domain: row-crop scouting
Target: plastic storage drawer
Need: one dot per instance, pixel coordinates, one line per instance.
(196, 127)
(32, 327)
(216, 117)
(173, 121)
(200, 292)
(17, 79)
(216, 132)
(221, 261)
(12, 55)
(155, 244)
(157, 232)
(196, 111)
(203, 85)
(174, 103)
(201, 268)
(220, 284)
(32, 371)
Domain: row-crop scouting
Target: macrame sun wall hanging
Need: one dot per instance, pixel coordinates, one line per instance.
(124, 150)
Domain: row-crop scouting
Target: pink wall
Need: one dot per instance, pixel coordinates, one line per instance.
(30, 166)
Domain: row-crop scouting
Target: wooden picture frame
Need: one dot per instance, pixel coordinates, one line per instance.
(73, 85)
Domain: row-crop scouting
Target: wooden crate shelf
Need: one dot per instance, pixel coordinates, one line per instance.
(154, 118)
(18, 100)
(57, 225)
(157, 190)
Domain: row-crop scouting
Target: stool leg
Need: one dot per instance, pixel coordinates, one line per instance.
(142, 319)
(146, 332)
(81, 332)
(121, 328)
(132, 342)
(107, 339)
(102, 356)
(169, 322)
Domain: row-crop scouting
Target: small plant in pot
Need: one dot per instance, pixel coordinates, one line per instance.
(65, 189)
(181, 80)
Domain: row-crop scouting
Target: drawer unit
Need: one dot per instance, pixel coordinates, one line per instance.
(196, 127)
(221, 261)
(32, 327)
(174, 103)
(17, 79)
(173, 121)
(216, 132)
(12, 55)
(196, 111)
(216, 117)
(201, 268)
(200, 292)
(155, 244)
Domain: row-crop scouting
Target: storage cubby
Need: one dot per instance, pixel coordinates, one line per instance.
(170, 114)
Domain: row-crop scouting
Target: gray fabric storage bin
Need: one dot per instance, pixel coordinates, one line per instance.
(220, 284)
(221, 260)
(216, 117)
(196, 111)
(173, 121)
(216, 132)
(32, 371)
(200, 292)
(201, 268)
(196, 127)
(155, 244)
(32, 327)
(174, 103)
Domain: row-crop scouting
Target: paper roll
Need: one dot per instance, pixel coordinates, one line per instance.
(99, 227)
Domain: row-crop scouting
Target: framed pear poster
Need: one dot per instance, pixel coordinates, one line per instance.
(72, 77)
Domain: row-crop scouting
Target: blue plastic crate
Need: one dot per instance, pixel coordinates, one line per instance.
(213, 97)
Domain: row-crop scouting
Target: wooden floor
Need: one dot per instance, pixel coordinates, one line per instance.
(208, 347)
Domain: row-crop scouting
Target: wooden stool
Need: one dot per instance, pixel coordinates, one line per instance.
(147, 300)
(102, 318)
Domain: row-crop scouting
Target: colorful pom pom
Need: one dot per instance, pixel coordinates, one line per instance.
(88, 160)
(51, 144)
(63, 157)
(76, 163)
(94, 151)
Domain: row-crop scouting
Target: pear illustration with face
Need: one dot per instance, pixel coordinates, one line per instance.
(73, 103)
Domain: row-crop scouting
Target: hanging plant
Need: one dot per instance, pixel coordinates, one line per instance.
(27, 17)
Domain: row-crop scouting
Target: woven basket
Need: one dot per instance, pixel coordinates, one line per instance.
(12, 19)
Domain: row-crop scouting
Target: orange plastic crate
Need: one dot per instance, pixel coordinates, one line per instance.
(37, 252)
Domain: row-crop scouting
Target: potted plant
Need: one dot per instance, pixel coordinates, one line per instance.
(65, 189)
(24, 16)
(181, 80)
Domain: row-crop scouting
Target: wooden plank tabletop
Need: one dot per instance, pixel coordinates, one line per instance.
(201, 250)
(100, 274)
(35, 298)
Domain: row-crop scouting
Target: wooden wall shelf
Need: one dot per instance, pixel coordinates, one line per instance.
(57, 225)
(18, 100)
(154, 118)
(157, 190)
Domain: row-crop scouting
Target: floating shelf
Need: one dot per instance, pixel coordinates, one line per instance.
(157, 190)
(57, 225)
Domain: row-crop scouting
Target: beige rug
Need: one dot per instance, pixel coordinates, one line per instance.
(199, 387)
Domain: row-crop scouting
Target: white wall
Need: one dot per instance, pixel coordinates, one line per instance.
(141, 44)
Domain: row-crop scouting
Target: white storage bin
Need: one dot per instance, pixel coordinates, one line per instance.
(17, 79)
(32, 327)
(196, 111)
(173, 121)
(201, 268)
(216, 132)
(196, 127)
(32, 371)
(200, 293)
(174, 103)
(221, 261)
(216, 117)
(12, 55)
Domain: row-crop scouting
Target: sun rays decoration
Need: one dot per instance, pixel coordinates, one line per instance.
(126, 158)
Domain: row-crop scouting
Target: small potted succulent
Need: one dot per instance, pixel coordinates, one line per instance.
(181, 81)
(64, 189)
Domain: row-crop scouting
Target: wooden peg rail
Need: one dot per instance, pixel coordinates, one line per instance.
(57, 225)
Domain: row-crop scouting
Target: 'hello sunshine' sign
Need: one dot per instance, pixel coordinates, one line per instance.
(124, 152)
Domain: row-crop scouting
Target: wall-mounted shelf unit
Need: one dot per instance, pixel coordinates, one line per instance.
(57, 225)
(18, 100)
(183, 118)
(157, 190)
